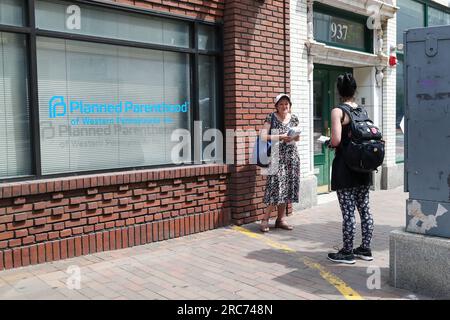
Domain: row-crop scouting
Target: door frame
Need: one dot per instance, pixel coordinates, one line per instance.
(325, 159)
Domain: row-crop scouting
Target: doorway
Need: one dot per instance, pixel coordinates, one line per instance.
(324, 99)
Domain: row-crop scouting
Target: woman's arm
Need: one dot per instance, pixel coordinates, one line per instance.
(336, 127)
(269, 137)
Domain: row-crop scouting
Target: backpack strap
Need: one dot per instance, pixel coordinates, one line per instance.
(346, 109)
(355, 114)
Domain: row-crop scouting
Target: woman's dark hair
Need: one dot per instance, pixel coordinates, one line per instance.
(346, 85)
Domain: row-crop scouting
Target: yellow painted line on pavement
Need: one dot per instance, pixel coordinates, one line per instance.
(332, 279)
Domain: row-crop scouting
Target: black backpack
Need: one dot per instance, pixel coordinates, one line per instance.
(364, 151)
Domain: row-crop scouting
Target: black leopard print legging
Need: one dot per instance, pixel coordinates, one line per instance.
(349, 199)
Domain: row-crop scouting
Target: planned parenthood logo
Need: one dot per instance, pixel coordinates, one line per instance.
(58, 107)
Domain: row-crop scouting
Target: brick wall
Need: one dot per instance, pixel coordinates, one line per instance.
(256, 65)
(207, 10)
(54, 219)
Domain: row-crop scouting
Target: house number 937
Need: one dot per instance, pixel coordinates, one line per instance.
(338, 31)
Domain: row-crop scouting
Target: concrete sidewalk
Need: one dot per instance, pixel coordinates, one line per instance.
(229, 263)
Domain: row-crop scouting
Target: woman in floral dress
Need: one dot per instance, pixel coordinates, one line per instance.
(283, 180)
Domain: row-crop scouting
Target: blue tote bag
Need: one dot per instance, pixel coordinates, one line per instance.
(261, 149)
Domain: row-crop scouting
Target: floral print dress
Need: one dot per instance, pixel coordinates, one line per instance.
(283, 182)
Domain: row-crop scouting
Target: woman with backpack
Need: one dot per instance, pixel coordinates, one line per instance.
(283, 182)
(352, 187)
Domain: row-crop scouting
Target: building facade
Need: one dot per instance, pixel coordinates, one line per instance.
(327, 39)
(95, 96)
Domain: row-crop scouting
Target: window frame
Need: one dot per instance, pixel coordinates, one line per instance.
(339, 13)
(31, 33)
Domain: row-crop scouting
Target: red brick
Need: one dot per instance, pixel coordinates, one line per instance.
(53, 235)
(99, 241)
(88, 229)
(193, 223)
(149, 231)
(105, 237)
(65, 233)
(125, 242)
(108, 196)
(92, 205)
(6, 235)
(64, 253)
(17, 257)
(118, 238)
(33, 255)
(92, 244)
(58, 211)
(21, 233)
(71, 247)
(78, 246)
(131, 238)
(85, 242)
(58, 226)
(211, 220)
(201, 223)
(109, 225)
(143, 234)
(48, 252)
(41, 252)
(75, 215)
(161, 230)
(112, 239)
(171, 228)
(18, 217)
(181, 222)
(2, 265)
(216, 220)
(8, 259)
(41, 237)
(55, 247)
(40, 205)
(77, 230)
(137, 235)
(155, 231)
(40, 221)
(14, 243)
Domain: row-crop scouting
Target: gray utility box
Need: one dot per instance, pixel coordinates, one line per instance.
(427, 130)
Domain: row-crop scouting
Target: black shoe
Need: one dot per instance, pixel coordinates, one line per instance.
(342, 256)
(365, 254)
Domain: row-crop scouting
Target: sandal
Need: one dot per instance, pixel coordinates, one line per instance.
(283, 225)
(264, 227)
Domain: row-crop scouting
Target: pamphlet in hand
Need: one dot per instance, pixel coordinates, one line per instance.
(324, 139)
(294, 132)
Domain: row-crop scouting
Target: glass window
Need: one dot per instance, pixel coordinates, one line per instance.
(437, 17)
(104, 106)
(410, 15)
(65, 16)
(12, 12)
(208, 103)
(15, 154)
(207, 39)
(339, 31)
(400, 112)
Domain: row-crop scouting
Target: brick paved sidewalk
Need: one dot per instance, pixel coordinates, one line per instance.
(227, 263)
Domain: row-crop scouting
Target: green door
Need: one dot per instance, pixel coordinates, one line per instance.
(325, 98)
